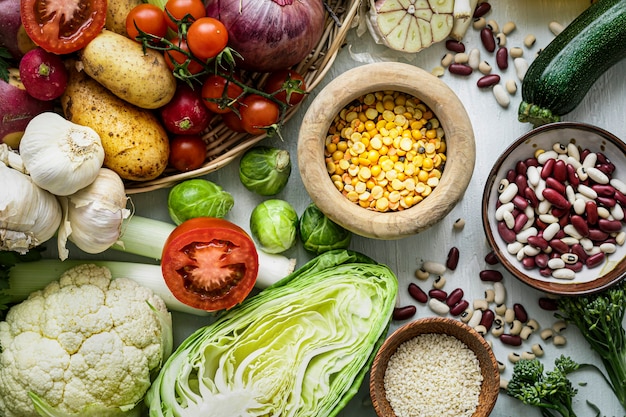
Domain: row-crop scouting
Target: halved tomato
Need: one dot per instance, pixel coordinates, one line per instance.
(209, 263)
(63, 26)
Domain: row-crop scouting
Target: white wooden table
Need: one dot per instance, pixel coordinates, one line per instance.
(494, 129)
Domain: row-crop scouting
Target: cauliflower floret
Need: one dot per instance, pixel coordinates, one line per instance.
(83, 342)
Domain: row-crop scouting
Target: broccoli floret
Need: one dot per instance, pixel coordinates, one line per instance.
(550, 391)
(600, 317)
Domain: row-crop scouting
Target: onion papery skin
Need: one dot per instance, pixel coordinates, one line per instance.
(270, 34)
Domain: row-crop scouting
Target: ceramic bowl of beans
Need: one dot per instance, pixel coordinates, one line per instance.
(434, 366)
(553, 208)
(386, 150)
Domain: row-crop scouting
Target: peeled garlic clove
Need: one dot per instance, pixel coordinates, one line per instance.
(60, 156)
(93, 216)
(410, 25)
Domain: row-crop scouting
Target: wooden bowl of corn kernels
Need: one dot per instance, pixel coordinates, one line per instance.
(386, 150)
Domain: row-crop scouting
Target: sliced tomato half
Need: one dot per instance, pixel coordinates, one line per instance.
(63, 26)
(209, 263)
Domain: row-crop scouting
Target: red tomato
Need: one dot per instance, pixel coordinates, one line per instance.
(258, 114)
(147, 17)
(63, 26)
(218, 93)
(207, 37)
(209, 263)
(173, 57)
(183, 10)
(187, 152)
(286, 83)
(233, 122)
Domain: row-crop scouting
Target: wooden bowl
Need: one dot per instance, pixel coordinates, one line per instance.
(490, 387)
(446, 106)
(585, 136)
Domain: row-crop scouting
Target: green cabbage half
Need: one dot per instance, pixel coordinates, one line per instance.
(299, 348)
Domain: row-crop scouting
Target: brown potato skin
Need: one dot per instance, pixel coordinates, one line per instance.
(135, 143)
(117, 10)
(119, 64)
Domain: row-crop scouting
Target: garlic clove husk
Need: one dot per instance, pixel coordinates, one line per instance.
(410, 25)
(61, 156)
(29, 215)
(93, 215)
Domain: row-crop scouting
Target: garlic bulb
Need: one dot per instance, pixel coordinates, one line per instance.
(93, 216)
(29, 215)
(60, 156)
(411, 25)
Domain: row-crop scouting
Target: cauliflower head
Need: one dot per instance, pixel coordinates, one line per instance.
(84, 345)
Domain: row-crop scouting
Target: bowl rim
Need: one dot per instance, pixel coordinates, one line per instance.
(567, 289)
(461, 150)
(441, 325)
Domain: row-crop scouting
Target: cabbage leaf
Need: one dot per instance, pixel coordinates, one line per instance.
(299, 348)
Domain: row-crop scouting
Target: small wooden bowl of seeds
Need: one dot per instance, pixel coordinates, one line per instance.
(386, 150)
(434, 366)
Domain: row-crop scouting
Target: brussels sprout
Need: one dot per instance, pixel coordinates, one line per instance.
(319, 233)
(265, 170)
(274, 226)
(198, 198)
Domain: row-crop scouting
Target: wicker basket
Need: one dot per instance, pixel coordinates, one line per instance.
(224, 145)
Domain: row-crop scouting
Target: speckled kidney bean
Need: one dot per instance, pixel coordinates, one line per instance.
(404, 313)
(417, 293)
(490, 275)
(454, 297)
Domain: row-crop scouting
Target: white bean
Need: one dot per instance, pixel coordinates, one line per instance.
(608, 248)
(579, 206)
(511, 86)
(501, 95)
(620, 238)
(556, 263)
(509, 192)
(521, 66)
(509, 219)
(618, 184)
(524, 234)
(500, 293)
(514, 248)
(597, 175)
(474, 321)
(551, 231)
(533, 176)
(434, 268)
(438, 306)
(555, 28)
(572, 150)
(617, 212)
(508, 27)
(563, 273)
(548, 218)
(474, 58)
(543, 157)
(516, 52)
(506, 207)
(587, 191)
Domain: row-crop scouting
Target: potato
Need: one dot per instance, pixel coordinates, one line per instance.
(119, 64)
(135, 143)
(117, 10)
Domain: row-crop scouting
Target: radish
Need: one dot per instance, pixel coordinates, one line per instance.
(43, 74)
(185, 114)
(17, 108)
(9, 26)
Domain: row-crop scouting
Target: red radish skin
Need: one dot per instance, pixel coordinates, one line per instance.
(17, 108)
(43, 74)
(186, 113)
(10, 23)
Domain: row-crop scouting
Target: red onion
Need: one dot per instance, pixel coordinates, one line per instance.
(270, 34)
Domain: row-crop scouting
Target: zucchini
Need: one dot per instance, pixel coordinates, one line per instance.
(562, 74)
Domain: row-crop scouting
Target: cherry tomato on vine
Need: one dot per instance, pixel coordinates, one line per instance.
(218, 92)
(233, 122)
(209, 263)
(179, 9)
(290, 82)
(50, 26)
(258, 114)
(148, 18)
(187, 152)
(207, 37)
(173, 57)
